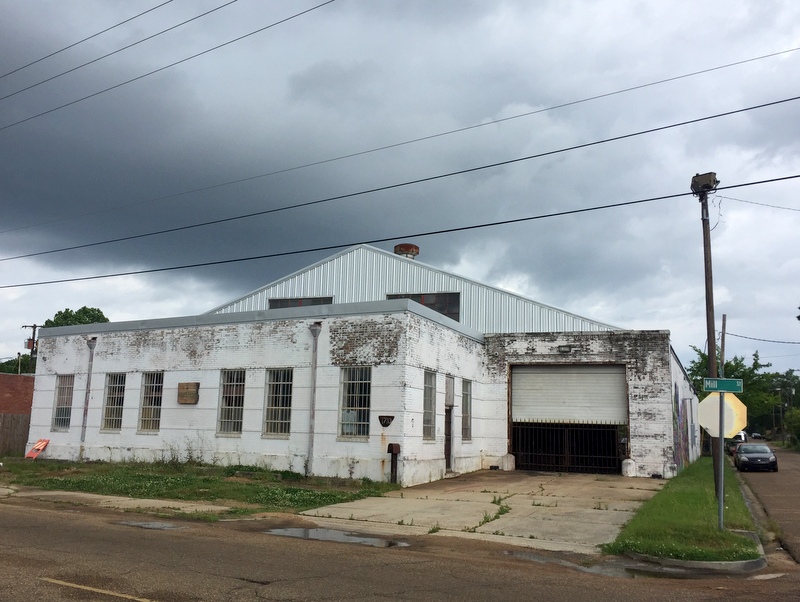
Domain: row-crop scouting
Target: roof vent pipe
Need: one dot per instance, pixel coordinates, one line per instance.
(406, 249)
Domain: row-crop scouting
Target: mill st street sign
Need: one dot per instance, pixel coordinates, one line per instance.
(728, 385)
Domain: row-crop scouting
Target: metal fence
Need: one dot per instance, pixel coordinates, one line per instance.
(589, 448)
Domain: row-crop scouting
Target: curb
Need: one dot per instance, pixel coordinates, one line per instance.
(710, 566)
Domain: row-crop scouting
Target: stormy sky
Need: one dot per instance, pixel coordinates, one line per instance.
(303, 125)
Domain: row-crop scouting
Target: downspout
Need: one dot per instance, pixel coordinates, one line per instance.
(91, 343)
(315, 329)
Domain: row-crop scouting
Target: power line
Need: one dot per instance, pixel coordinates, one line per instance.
(94, 35)
(100, 58)
(415, 140)
(378, 240)
(730, 198)
(189, 58)
(413, 182)
(343, 245)
(740, 336)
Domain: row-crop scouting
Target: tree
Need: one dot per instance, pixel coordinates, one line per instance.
(792, 421)
(66, 317)
(85, 315)
(12, 366)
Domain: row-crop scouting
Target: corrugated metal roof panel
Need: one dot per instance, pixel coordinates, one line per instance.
(365, 273)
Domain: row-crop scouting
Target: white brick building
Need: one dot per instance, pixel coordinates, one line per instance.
(321, 371)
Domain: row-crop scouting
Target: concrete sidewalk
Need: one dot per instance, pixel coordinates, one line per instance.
(548, 511)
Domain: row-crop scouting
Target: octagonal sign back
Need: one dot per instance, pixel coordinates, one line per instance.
(735, 418)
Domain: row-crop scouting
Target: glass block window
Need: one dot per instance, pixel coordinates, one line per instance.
(429, 406)
(115, 397)
(231, 403)
(278, 412)
(62, 411)
(299, 302)
(447, 304)
(466, 410)
(356, 393)
(152, 391)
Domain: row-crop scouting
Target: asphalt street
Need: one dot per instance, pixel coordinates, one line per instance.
(779, 495)
(69, 549)
(62, 552)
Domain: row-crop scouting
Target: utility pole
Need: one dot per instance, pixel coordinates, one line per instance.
(701, 185)
(721, 451)
(31, 345)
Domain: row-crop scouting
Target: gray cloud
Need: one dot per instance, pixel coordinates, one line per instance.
(355, 76)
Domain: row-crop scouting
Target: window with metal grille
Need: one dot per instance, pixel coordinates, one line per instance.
(448, 304)
(62, 411)
(356, 392)
(429, 406)
(466, 410)
(231, 403)
(152, 390)
(115, 396)
(278, 411)
(299, 302)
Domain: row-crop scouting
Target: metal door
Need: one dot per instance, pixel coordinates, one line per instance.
(448, 438)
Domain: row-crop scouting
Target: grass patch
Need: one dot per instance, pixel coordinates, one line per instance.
(249, 489)
(681, 521)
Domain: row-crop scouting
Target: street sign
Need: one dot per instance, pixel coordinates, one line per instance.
(735, 418)
(729, 385)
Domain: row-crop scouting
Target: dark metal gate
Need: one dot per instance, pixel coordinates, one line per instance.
(590, 448)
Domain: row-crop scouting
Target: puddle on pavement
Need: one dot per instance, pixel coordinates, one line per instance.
(151, 525)
(338, 536)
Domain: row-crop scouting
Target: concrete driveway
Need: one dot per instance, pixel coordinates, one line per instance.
(549, 511)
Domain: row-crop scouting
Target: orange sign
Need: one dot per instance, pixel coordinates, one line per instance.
(38, 448)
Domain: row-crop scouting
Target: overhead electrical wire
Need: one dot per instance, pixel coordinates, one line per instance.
(730, 198)
(415, 181)
(94, 35)
(100, 58)
(378, 240)
(184, 60)
(741, 336)
(414, 140)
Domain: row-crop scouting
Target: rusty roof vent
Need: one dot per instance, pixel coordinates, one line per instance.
(406, 249)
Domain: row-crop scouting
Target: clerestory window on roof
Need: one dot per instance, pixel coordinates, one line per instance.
(299, 302)
(448, 304)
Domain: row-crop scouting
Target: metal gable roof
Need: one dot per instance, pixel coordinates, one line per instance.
(365, 273)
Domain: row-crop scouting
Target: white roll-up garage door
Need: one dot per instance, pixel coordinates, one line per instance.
(575, 394)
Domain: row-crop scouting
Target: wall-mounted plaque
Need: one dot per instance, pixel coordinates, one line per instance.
(188, 393)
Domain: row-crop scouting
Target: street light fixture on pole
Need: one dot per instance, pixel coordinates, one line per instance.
(701, 185)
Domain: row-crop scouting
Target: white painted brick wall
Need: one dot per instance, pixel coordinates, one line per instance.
(399, 347)
(651, 372)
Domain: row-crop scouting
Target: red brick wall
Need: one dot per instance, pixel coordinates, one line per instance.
(16, 394)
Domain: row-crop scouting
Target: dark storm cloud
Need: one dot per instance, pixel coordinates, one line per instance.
(354, 76)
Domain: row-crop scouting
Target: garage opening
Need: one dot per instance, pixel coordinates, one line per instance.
(569, 418)
(590, 448)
